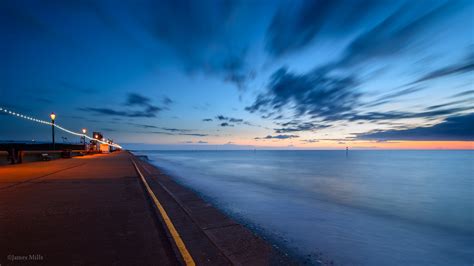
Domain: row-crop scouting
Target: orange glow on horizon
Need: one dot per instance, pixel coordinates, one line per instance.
(395, 145)
(423, 145)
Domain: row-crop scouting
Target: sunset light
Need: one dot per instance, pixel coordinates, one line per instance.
(237, 132)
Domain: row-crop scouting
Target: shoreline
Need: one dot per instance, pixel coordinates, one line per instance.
(260, 190)
(276, 241)
(221, 228)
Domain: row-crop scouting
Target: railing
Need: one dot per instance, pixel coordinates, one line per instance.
(21, 156)
(54, 125)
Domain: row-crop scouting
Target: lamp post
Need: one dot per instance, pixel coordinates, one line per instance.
(84, 137)
(53, 116)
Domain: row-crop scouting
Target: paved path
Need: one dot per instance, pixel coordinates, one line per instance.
(97, 210)
(90, 210)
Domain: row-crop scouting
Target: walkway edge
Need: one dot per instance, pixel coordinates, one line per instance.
(169, 224)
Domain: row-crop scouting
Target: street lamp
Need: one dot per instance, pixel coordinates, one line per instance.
(53, 116)
(84, 137)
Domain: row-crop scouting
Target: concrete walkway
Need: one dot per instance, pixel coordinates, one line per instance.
(90, 210)
(96, 210)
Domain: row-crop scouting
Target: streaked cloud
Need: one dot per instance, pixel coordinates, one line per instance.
(133, 100)
(279, 137)
(454, 128)
(317, 93)
(298, 23)
(465, 66)
(316, 69)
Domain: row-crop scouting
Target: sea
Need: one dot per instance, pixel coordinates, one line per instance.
(387, 207)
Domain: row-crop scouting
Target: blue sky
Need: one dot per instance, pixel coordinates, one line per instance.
(264, 73)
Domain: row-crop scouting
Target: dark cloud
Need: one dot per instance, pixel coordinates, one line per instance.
(394, 115)
(207, 120)
(403, 92)
(176, 133)
(389, 97)
(238, 79)
(143, 126)
(395, 33)
(466, 65)
(202, 107)
(153, 109)
(167, 101)
(176, 129)
(326, 98)
(198, 142)
(330, 92)
(443, 105)
(234, 70)
(222, 118)
(137, 99)
(298, 23)
(462, 94)
(194, 134)
(158, 132)
(231, 120)
(111, 112)
(133, 100)
(296, 125)
(316, 93)
(225, 124)
(279, 137)
(253, 125)
(236, 120)
(460, 128)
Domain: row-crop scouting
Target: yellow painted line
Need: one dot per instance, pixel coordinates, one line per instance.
(176, 237)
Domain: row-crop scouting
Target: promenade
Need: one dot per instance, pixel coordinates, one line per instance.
(101, 210)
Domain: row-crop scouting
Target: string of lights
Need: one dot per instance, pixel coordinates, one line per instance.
(18, 115)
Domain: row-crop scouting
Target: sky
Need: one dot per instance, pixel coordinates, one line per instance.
(242, 74)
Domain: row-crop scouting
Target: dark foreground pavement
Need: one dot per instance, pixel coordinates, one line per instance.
(95, 210)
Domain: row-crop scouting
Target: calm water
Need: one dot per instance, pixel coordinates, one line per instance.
(370, 208)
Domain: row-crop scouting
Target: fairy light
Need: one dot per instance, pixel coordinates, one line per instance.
(57, 126)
